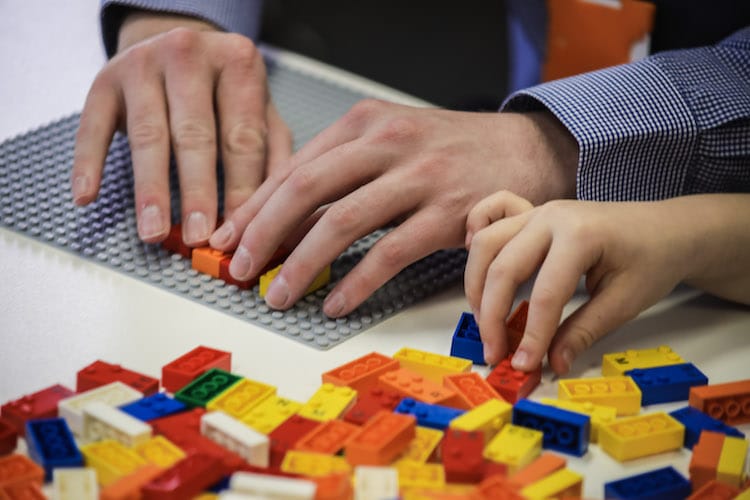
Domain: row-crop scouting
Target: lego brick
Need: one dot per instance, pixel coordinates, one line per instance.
(461, 453)
(101, 373)
(185, 479)
(23, 491)
(277, 259)
(336, 486)
(466, 342)
(174, 242)
(321, 280)
(75, 484)
(496, 487)
(617, 363)
(235, 436)
(429, 415)
(160, 451)
(152, 407)
(111, 460)
(50, 443)
(695, 422)
(471, 389)
(731, 464)
(207, 260)
(270, 413)
(516, 325)
(272, 487)
(665, 384)
(19, 469)
(705, 458)
(563, 483)
(329, 437)
(430, 365)
(8, 436)
(241, 397)
(310, 464)
(660, 484)
(372, 483)
(414, 475)
(564, 431)
(515, 447)
(600, 414)
(714, 490)
(729, 402)
(178, 373)
(414, 385)
(513, 384)
(286, 435)
(546, 464)
(489, 418)
(101, 421)
(206, 387)
(642, 435)
(41, 404)
(129, 487)
(362, 373)
(328, 402)
(422, 447)
(620, 392)
(384, 437)
(371, 401)
(112, 394)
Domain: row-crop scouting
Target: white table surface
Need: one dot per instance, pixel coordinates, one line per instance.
(58, 312)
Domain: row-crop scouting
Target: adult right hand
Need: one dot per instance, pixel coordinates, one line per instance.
(180, 84)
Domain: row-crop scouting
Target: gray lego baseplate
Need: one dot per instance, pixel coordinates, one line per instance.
(35, 201)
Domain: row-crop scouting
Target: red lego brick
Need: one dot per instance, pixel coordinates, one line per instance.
(18, 469)
(362, 373)
(513, 384)
(494, 469)
(376, 398)
(185, 479)
(462, 456)
(284, 437)
(497, 487)
(173, 242)
(328, 438)
(41, 404)
(546, 464)
(180, 372)
(728, 402)
(705, 458)
(384, 437)
(516, 325)
(714, 490)
(101, 373)
(471, 389)
(24, 491)
(8, 437)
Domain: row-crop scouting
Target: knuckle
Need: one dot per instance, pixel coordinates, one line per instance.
(193, 135)
(301, 181)
(544, 298)
(145, 133)
(243, 139)
(137, 61)
(582, 336)
(499, 271)
(398, 129)
(391, 253)
(344, 216)
(364, 110)
(241, 48)
(182, 43)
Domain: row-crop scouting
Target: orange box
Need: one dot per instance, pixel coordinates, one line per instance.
(705, 458)
(362, 373)
(328, 438)
(414, 385)
(728, 402)
(208, 260)
(471, 389)
(384, 437)
(540, 468)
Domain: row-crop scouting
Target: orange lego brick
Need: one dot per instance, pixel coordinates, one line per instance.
(336, 486)
(24, 491)
(129, 487)
(472, 390)
(414, 385)
(546, 464)
(497, 487)
(362, 373)
(328, 437)
(705, 458)
(207, 260)
(516, 325)
(620, 392)
(729, 402)
(18, 469)
(381, 439)
(714, 490)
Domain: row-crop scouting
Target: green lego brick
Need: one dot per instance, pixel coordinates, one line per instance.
(206, 387)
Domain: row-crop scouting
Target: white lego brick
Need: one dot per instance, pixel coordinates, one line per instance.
(114, 394)
(101, 421)
(77, 483)
(233, 495)
(375, 483)
(237, 437)
(272, 487)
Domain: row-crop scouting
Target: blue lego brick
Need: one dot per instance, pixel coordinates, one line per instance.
(154, 406)
(659, 484)
(466, 341)
(665, 384)
(564, 431)
(429, 415)
(695, 422)
(50, 444)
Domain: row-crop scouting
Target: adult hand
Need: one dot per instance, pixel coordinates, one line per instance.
(178, 83)
(381, 163)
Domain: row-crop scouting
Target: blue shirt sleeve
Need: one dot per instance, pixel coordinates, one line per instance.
(673, 124)
(238, 16)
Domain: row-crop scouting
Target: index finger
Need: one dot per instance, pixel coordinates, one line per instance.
(497, 206)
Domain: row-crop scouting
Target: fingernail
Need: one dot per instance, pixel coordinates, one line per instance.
(241, 263)
(278, 292)
(334, 305)
(196, 228)
(151, 223)
(80, 187)
(567, 356)
(467, 242)
(223, 235)
(520, 360)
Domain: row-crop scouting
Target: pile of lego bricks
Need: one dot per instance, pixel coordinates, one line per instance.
(414, 425)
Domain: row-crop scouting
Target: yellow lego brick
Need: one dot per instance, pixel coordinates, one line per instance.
(619, 392)
(449, 491)
(319, 282)
(270, 413)
(642, 435)
(160, 451)
(420, 448)
(328, 402)
(732, 461)
(430, 365)
(563, 483)
(489, 417)
(241, 397)
(514, 446)
(600, 414)
(414, 475)
(111, 460)
(617, 363)
(207, 496)
(314, 464)
(744, 495)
